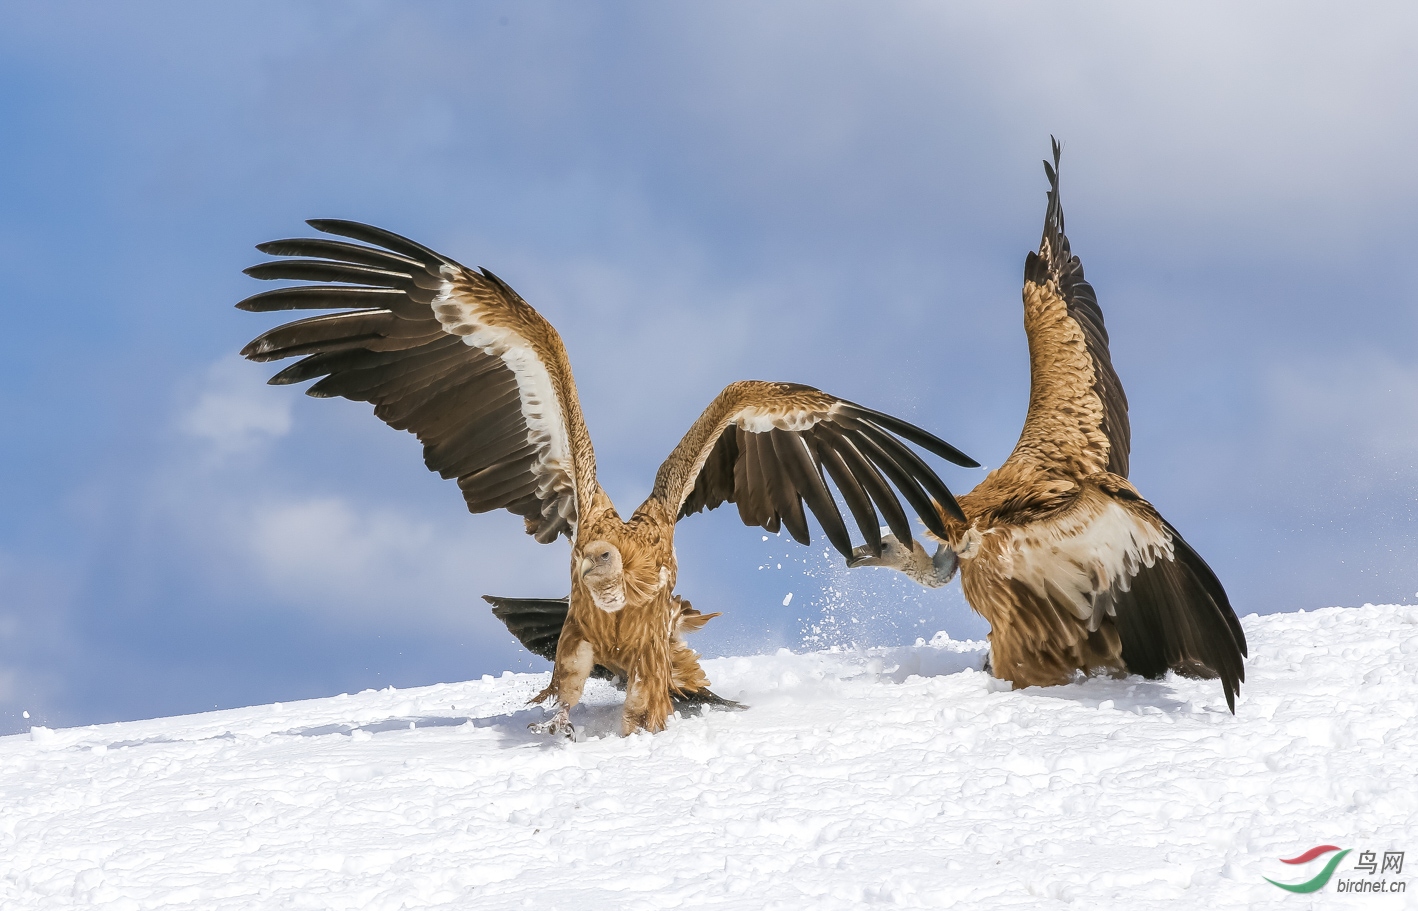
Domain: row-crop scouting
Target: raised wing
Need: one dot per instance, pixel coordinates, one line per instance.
(1112, 554)
(1078, 412)
(771, 448)
(449, 353)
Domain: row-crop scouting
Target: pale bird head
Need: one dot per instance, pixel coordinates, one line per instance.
(603, 574)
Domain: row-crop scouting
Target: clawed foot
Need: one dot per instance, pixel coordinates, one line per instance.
(558, 724)
(930, 571)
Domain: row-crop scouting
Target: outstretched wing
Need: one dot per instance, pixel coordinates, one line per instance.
(1112, 555)
(449, 353)
(770, 448)
(1078, 412)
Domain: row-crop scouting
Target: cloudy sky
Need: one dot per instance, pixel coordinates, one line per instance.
(835, 194)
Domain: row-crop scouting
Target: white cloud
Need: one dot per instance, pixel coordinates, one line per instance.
(402, 556)
(331, 555)
(381, 565)
(235, 412)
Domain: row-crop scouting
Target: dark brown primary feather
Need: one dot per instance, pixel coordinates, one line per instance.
(1055, 261)
(463, 403)
(806, 477)
(864, 472)
(340, 251)
(772, 474)
(858, 501)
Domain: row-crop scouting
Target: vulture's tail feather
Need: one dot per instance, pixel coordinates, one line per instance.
(1176, 616)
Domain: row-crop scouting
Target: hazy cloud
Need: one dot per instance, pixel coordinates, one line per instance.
(372, 565)
(235, 411)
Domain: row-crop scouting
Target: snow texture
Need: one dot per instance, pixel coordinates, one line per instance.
(900, 776)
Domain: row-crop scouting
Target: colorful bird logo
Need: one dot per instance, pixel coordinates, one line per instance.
(1318, 882)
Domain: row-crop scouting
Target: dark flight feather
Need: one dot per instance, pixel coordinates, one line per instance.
(901, 477)
(341, 251)
(927, 441)
(858, 503)
(324, 297)
(774, 476)
(873, 483)
(802, 470)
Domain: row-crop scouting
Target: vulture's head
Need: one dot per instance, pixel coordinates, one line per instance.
(603, 574)
(932, 571)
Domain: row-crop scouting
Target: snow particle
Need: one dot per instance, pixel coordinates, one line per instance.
(788, 599)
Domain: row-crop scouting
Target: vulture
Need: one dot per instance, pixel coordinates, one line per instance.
(458, 358)
(1073, 569)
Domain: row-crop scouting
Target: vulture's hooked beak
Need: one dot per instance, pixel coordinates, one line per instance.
(599, 555)
(932, 571)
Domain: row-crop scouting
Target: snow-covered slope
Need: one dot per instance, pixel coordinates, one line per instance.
(895, 776)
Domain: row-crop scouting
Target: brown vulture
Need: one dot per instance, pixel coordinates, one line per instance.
(1073, 569)
(455, 356)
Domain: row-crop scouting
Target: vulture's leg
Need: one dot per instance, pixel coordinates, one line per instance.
(647, 693)
(574, 660)
(930, 571)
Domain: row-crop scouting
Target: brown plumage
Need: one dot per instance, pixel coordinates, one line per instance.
(1073, 569)
(455, 356)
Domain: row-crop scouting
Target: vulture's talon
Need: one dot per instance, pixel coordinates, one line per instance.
(558, 724)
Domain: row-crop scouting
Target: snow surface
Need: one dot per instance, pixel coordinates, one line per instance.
(900, 776)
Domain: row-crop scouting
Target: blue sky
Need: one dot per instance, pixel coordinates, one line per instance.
(836, 194)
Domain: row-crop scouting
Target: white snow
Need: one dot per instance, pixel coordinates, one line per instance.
(899, 776)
